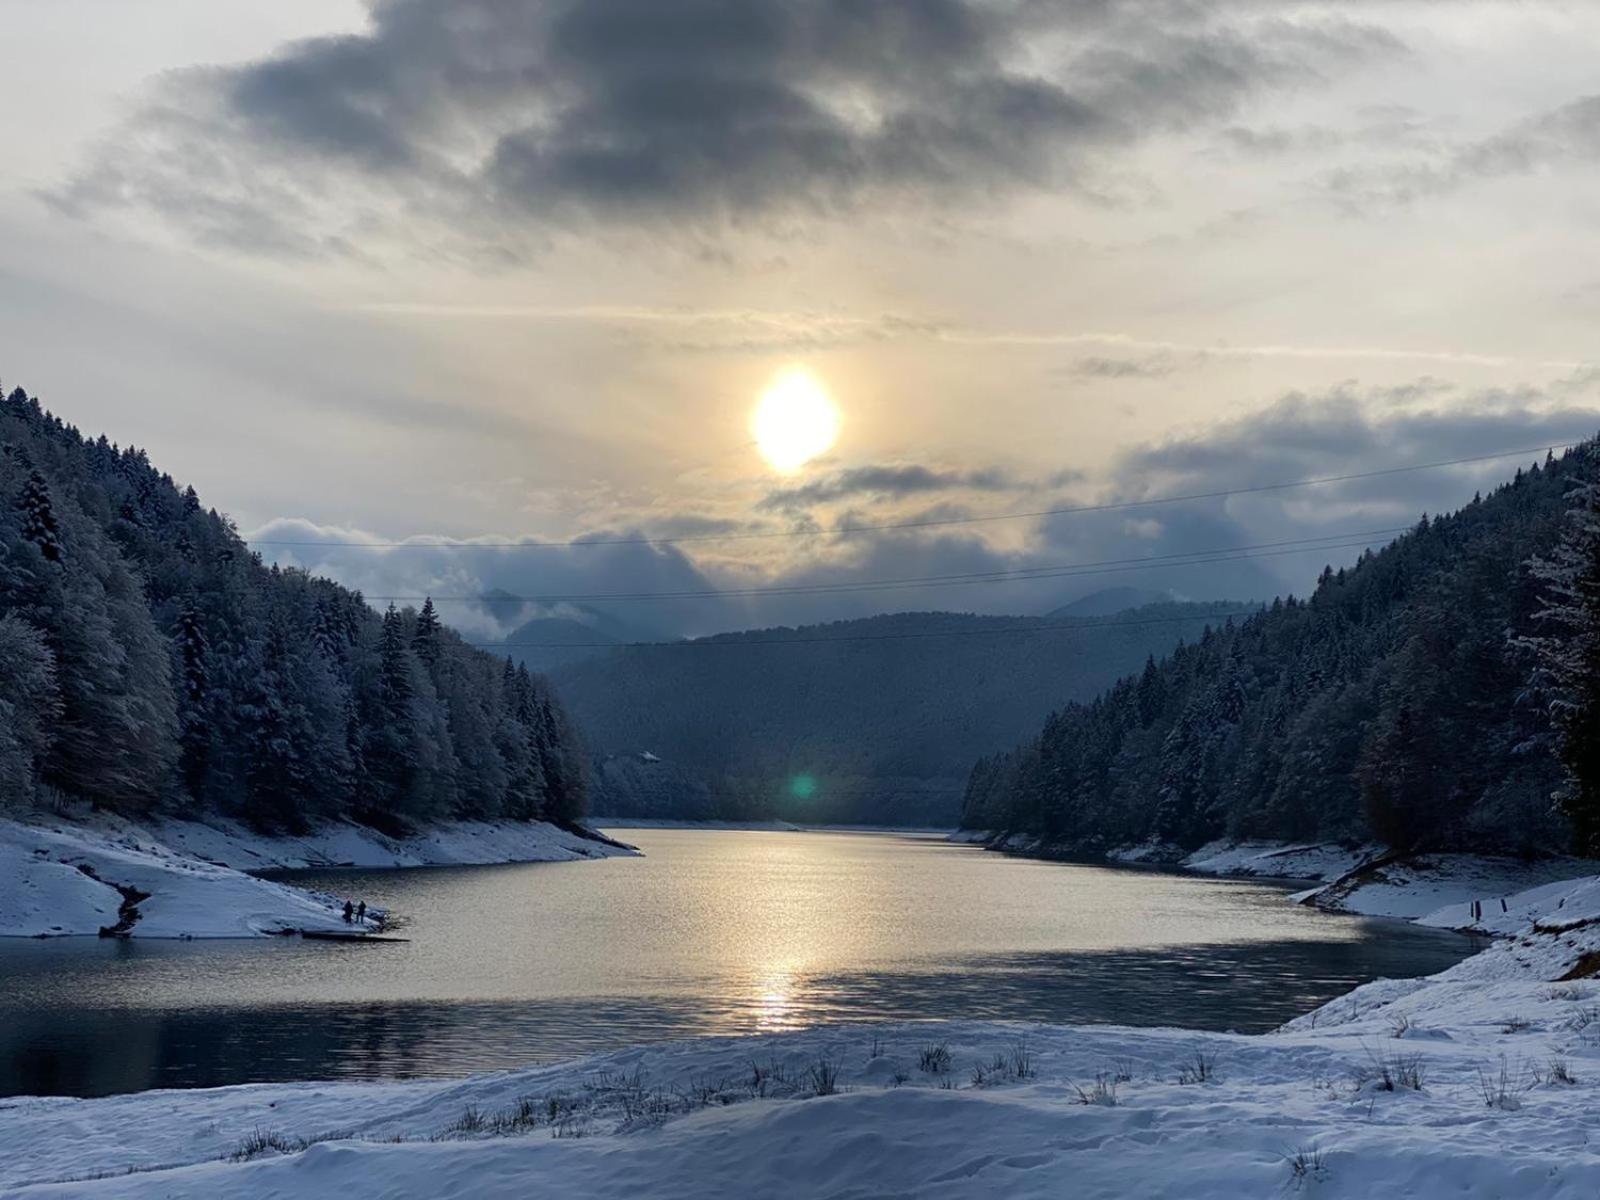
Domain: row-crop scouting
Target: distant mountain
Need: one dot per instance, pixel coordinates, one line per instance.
(872, 720)
(1107, 601)
(546, 643)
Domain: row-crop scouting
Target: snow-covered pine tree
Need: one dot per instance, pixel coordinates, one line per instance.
(38, 517)
(425, 638)
(193, 654)
(1567, 673)
(29, 706)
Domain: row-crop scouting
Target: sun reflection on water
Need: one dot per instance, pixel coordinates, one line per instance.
(775, 1003)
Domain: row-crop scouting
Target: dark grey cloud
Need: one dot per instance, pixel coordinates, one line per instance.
(494, 118)
(1150, 366)
(885, 481)
(1340, 432)
(1563, 137)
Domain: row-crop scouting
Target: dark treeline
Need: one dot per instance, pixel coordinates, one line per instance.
(150, 661)
(1402, 702)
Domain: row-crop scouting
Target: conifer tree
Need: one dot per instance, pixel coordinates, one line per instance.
(38, 517)
(425, 638)
(1568, 656)
(193, 652)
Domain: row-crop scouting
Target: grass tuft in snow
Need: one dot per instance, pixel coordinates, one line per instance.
(1199, 1067)
(1400, 1024)
(1583, 1018)
(263, 1142)
(1499, 1089)
(823, 1076)
(1103, 1092)
(1019, 1060)
(1014, 1064)
(1307, 1166)
(935, 1059)
(763, 1076)
(1392, 1072)
(1556, 1071)
(1516, 1024)
(470, 1122)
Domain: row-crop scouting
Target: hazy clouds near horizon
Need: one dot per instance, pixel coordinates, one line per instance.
(520, 270)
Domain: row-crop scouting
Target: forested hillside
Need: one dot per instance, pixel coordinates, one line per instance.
(150, 661)
(1395, 704)
(873, 720)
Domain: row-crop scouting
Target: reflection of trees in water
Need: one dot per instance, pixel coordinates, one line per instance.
(98, 1052)
(1245, 987)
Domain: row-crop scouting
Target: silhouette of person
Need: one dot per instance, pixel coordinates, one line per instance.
(349, 910)
(361, 912)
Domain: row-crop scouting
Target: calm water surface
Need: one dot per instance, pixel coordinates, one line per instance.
(712, 932)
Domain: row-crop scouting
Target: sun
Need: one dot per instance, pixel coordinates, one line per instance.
(795, 420)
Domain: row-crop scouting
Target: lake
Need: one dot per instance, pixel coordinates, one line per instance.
(713, 932)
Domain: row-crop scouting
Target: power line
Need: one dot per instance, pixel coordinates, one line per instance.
(1340, 541)
(941, 522)
(736, 640)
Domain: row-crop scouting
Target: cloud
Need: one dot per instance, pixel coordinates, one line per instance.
(1301, 435)
(497, 120)
(1566, 136)
(1348, 430)
(1152, 366)
(890, 481)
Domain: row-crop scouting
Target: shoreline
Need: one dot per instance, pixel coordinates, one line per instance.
(106, 876)
(1433, 889)
(773, 826)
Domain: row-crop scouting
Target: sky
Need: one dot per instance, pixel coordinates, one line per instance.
(436, 275)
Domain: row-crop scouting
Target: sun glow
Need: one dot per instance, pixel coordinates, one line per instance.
(795, 420)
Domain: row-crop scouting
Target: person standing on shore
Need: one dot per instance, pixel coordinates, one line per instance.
(349, 912)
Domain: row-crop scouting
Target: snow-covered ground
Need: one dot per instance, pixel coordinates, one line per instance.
(455, 843)
(1433, 888)
(177, 879)
(1361, 879)
(1276, 860)
(1482, 1081)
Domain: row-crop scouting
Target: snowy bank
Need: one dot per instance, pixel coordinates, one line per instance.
(341, 844)
(182, 879)
(1365, 880)
(1248, 859)
(66, 879)
(1483, 1081)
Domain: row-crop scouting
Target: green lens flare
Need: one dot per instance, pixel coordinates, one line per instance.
(802, 787)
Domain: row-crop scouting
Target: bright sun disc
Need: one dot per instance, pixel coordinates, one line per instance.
(795, 420)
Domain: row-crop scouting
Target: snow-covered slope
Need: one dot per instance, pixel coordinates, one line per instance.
(184, 879)
(341, 844)
(69, 879)
(1483, 1081)
(1420, 886)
